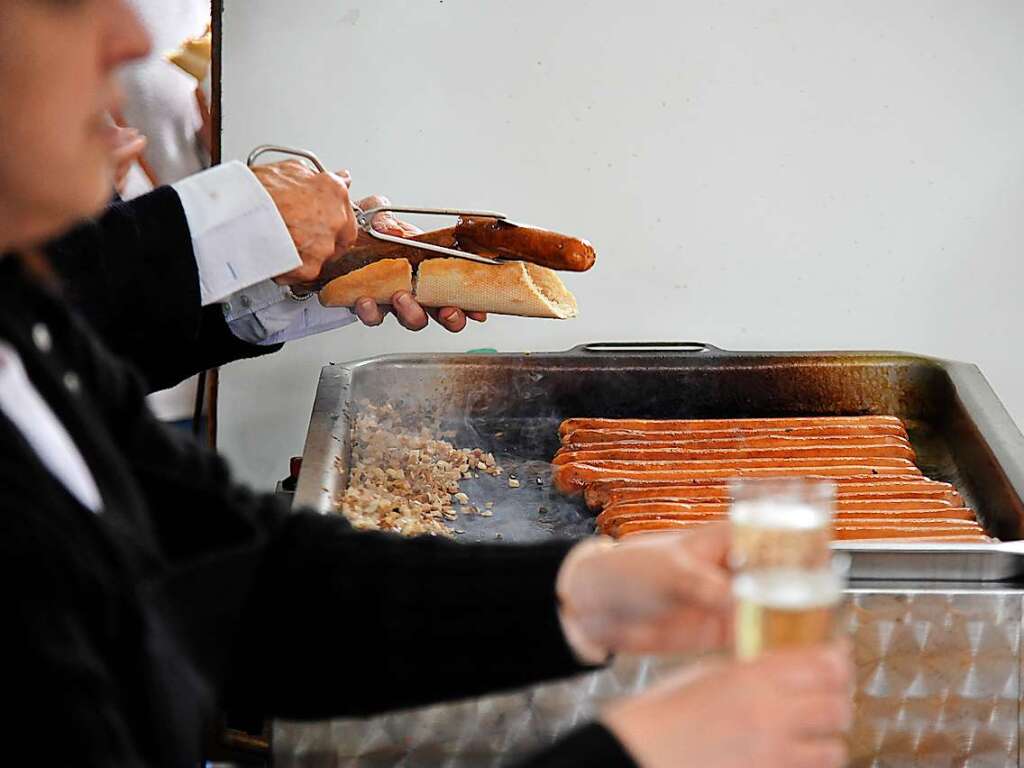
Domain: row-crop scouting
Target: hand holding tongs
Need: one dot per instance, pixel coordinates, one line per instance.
(364, 219)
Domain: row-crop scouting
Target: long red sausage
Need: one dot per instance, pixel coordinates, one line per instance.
(573, 478)
(599, 493)
(650, 425)
(757, 441)
(614, 435)
(878, 450)
(898, 508)
(858, 531)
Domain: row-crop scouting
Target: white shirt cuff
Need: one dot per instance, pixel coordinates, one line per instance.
(238, 236)
(265, 314)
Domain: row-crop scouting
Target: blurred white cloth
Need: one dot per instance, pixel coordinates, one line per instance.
(160, 102)
(160, 99)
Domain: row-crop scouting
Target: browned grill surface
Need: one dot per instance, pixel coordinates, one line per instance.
(511, 405)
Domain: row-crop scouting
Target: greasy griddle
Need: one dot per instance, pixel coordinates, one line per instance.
(512, 404)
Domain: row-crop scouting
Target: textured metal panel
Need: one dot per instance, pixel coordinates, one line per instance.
(938, 684)
(938, 679)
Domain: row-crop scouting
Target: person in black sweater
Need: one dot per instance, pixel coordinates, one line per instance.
(142, 585)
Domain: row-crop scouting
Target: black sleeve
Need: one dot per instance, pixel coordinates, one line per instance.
(592, 746)
(132, 274)
(370, 622)
(65, 705)
(313, 619)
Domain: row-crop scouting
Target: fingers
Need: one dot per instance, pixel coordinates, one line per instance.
(700, 557)
(709, 543)
(480, 317)
(822, 716)
(451, 319)
(410, 314)
(339, 214)
(692, 564)
(369, 313)
(130, 149)
(826, 753)
(345, 178)
(117, 136)
(706, 585)
(386, 222)
(825, 669)
(373, 201)
(123, 158)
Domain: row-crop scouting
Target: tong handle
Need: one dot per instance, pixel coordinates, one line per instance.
(365, 219)
(303, 154)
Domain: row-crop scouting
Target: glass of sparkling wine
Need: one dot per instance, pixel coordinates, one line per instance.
(787, 584)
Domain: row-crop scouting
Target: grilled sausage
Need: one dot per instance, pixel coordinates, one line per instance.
(598, 496)
(493, 237)
(616, 434)
(617, 528)
(758, 440)
(851, 531)
(898, 508)
(573, 478)
(691, 425)
(861, 453)
(781, 462)
(600, 493)
(918, 517)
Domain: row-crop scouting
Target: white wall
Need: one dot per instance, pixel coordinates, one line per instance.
(798, 175)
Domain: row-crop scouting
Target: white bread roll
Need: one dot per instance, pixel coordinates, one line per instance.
(509, 288)
(378, 281)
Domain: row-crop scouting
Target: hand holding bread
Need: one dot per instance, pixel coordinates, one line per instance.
(409, 313)
(507, 267)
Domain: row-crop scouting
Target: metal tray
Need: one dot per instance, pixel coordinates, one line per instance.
(511, 404)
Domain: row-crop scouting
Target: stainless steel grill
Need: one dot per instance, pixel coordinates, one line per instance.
(938, 650)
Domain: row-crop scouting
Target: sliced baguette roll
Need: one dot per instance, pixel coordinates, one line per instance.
(378, 281)
(509, 288)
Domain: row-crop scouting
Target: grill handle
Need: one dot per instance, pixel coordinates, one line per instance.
(647, 347)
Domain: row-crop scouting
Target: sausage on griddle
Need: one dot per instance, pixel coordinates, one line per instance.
(645, 455)
(573, 478)
(668, 425)
(601, 492)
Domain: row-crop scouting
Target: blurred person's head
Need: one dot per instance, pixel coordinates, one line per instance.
(57, 88)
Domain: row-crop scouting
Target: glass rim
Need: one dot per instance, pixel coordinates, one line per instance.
(801, 487)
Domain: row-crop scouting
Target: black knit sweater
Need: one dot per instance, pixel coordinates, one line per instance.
(125, 628)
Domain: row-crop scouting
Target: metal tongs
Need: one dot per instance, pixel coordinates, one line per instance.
(364, 219)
